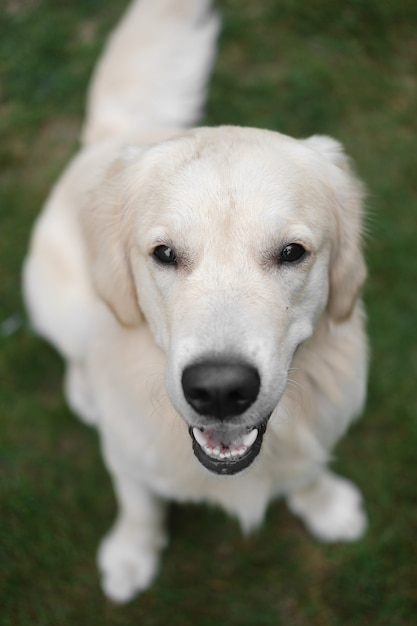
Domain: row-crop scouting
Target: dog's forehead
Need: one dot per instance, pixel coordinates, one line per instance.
(233, 177)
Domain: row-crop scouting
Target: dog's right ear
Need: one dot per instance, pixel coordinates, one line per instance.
(107, 228)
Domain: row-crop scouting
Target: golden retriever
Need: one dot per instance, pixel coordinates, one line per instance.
(203, 287)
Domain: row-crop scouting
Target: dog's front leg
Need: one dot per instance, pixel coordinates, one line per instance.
(330, 507)
(128, 556)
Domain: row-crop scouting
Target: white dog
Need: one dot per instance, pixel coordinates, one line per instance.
(203, 287)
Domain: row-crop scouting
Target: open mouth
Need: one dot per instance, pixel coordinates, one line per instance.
(227, 458)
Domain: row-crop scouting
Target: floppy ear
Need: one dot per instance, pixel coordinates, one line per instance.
(347, 265)
(107, 226)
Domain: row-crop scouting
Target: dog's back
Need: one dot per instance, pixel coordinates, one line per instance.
(154, 70)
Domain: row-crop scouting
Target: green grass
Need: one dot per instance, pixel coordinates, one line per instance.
(346, 69)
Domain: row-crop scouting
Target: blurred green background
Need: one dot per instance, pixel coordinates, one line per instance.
(345, 69)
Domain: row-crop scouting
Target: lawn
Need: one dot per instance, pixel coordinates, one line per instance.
(344, 69)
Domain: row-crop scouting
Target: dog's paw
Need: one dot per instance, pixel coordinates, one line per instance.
(126, 567)
(331, 509)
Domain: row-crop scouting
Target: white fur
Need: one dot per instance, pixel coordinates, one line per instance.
(330, 508)
(228, 199)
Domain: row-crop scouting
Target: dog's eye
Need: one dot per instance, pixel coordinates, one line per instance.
(292, 253)
(165, 255)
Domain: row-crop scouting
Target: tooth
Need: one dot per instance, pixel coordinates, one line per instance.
(249, 439)
(216, 451)
(200, 437)
(235, 453)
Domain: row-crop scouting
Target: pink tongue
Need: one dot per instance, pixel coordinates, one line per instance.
(216, 443)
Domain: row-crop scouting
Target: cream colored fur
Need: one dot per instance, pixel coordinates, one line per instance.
(228, 199)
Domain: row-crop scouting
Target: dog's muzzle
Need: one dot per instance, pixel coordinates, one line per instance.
(220, 391)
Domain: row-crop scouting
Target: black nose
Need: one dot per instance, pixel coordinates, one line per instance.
(220, 390)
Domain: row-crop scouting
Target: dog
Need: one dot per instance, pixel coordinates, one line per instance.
(203, 286)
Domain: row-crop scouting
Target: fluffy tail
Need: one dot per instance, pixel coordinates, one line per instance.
(154, 70)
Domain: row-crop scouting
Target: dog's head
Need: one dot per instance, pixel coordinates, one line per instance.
(232, 243)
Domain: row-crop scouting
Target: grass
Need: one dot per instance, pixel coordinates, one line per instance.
(346, 69)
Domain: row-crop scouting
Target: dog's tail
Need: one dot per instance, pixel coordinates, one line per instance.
(154, 70)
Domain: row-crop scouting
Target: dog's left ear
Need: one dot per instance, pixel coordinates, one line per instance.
(347, 265)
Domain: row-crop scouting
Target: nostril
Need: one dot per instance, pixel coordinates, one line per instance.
(199, 399)
(239, 399)
(199, 395)
(220, 389)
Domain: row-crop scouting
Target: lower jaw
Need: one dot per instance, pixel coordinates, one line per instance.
(229, 466)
